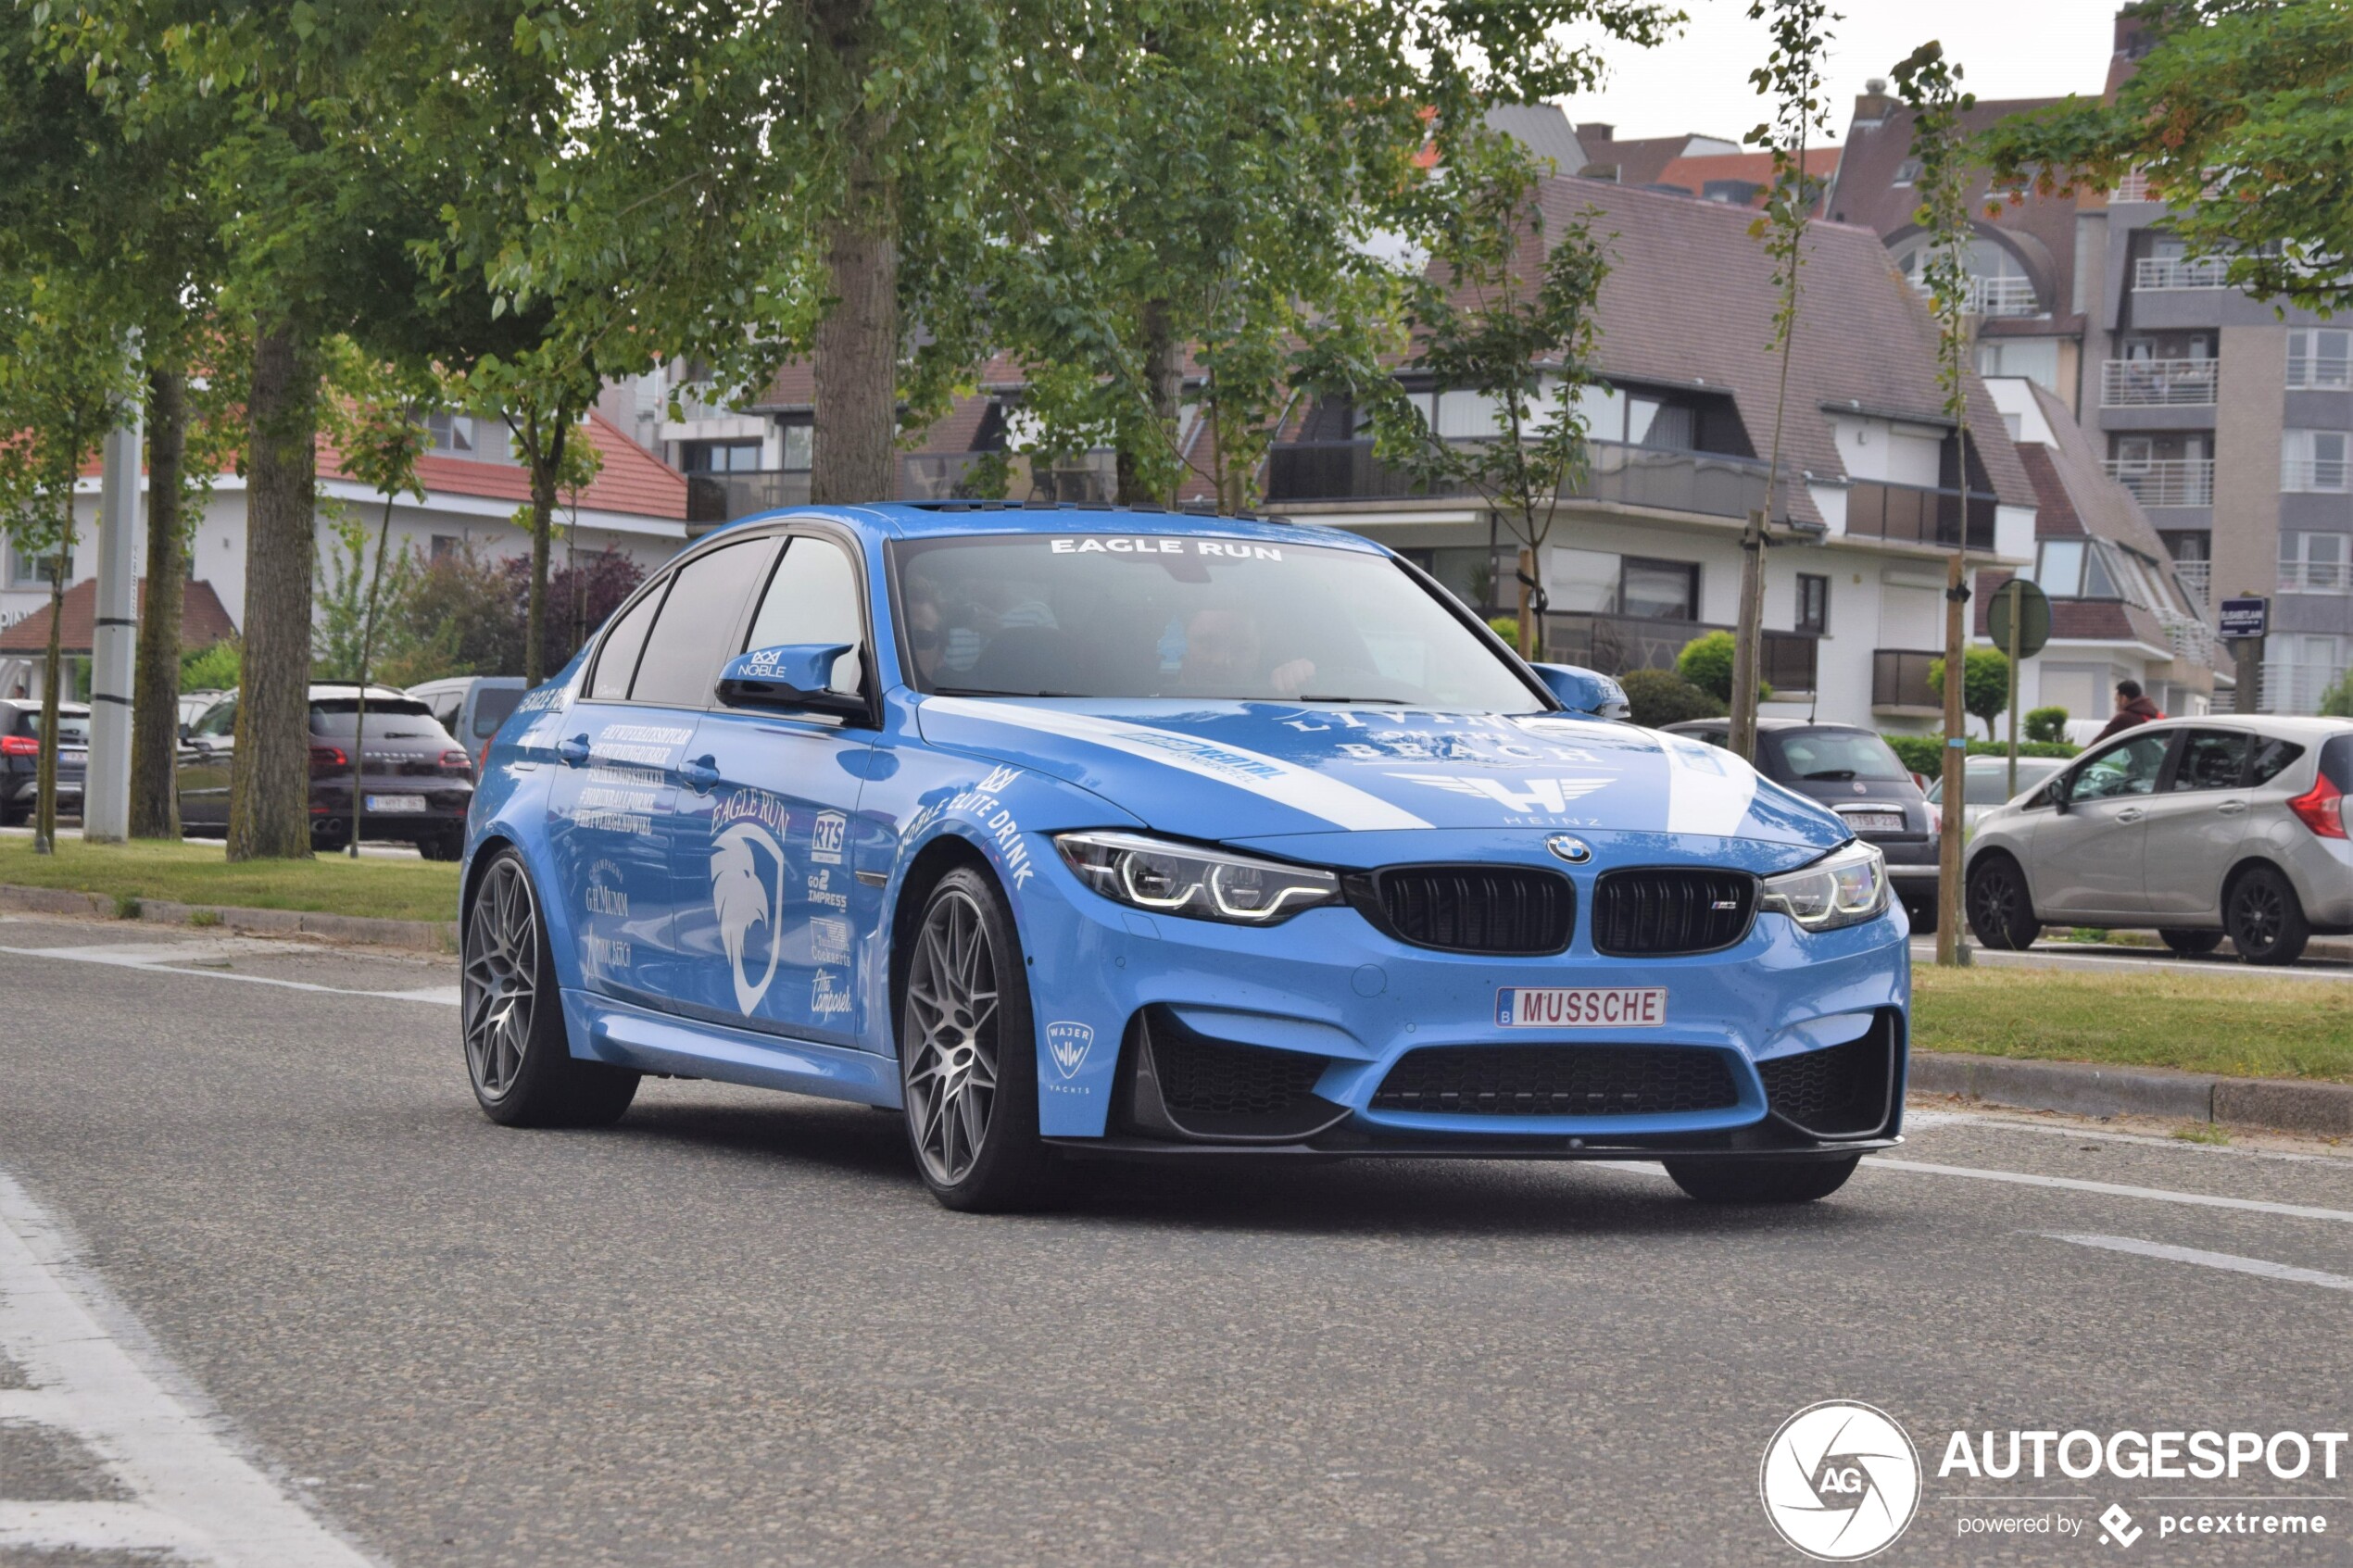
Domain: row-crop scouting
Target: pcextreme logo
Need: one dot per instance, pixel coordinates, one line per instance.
(1840, 1480)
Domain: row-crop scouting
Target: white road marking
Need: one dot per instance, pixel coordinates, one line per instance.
(2056, 1125)
(2230, 1261)
(2113, 1189)
(194, 1494)
(157, 957)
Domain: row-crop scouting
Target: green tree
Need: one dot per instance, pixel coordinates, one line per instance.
(1655, 698)
(1709, 663)
(2045, 723)
(2337, 701)
(2240, 118)
(1985, 684)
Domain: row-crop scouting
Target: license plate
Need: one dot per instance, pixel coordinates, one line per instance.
(1566, 1006)
(1874, 822)
(393, 805)
(73, 754)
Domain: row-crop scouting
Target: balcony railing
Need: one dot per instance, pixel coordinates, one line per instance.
(2196, 576)
(708, 400)
(2316, 577)
(2008, 295)
(1899, 679)
(2290, 687)
(1616, 644)
(1791, 661)
(2180, 273)
(1912, 515)
(2138, 383)
(936, 476)
(1708, 484)
(1091, 480)
(2134, 187)
(722, 497)
(2327, 476)
(2193, 640)
(2166, 482)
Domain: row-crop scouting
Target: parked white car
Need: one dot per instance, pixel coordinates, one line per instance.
(1989, 784)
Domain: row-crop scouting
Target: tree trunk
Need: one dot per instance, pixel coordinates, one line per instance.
(548, 454)
(155, 701)
(857, 346)
(1748, 636)
(1164, 390)
(269, 782)
(45, 785)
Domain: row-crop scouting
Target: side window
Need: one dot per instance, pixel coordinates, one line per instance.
(2211, 759)
(617, 663)
(221, 718)
(2272, 758)
(2128, 767)
(812, 599)
(690, 637)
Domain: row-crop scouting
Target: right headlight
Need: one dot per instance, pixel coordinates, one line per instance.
(1846, 887)
(1194, 881)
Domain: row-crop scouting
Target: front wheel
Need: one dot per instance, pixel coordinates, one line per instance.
(2000, 910)
(517, 1053)
(1762, 1180)
(968, 1053)
(2190, 944)
(2265, 920)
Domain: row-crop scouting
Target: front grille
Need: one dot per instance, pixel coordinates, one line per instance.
(1476, 909)
(1665, 911)
(1203, 1077)
(1841, 1091)
(1557, 1081)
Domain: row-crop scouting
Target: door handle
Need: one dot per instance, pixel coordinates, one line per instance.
(701, 772)
(2130, 814)
(574, 750)
(2231, 807)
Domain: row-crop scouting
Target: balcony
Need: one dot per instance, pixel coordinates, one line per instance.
(936, 476)
(2197, 577)
(715, 499)
(2290, 687)
(2323, 476)
(2156, 272)
(2008, 295)
(2166, 482)
(1616, 644)
(1899, 680)
(2316, 577)
(2134, 187)
(708, 400)
(1791, 661)
(2145, 384)
(2191, 640)
(1654, 479)
(1911, 515)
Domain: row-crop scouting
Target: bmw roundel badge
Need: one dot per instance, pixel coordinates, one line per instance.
(1569, 848)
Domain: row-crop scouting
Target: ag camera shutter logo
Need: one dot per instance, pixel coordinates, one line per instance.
(1840, 1481)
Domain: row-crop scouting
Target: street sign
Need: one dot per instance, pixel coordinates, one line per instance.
(2021, 601)
(2246, 617)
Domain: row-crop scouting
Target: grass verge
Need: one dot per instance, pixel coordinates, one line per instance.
(200, 873)
(2231, 1026)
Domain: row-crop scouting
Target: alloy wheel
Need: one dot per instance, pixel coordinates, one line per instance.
(951, 1017)
(1996, 899)
(501, 981)
(2257, 915)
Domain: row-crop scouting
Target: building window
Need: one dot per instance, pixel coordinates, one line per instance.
(2318, 357)
(462, 435)
(2313, 461)
(1813, 603)
(2075, 569)
(1658, 590)
(445, 546)
(1908, 172)
(799, 432)
(35, 571)
(2314, 563)
(719, 457)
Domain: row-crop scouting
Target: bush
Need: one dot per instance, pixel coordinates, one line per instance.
(1658, 698)
(1985, 684)
(1925, 754)
(1505, 627)
(2047, 724)
(212, 669)
(1707, 662)
(2337, 701)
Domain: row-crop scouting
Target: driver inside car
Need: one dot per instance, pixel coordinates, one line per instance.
(1223, 655)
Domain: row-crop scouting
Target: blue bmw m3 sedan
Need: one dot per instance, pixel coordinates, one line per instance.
(1080, 835)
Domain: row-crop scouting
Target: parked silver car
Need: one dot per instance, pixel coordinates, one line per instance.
(2202, 828)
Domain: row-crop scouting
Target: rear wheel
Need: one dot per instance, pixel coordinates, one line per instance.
(1923, 915)
(2001, 912)
(1762, 1180)
(517, 1053)
(2190, 944)
(968, 1051)
(442, 846)
(2265, 920)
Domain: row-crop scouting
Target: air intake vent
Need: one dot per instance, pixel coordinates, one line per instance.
(1473, 908)
(1658, 912)
(1841, 1092)
(1205, 1078)
(1557, 1081)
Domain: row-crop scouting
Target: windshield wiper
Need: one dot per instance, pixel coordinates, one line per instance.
(1371, 701)
(1832, 774)
(985, 691)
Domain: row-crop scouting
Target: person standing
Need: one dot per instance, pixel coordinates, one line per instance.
(2131, 708)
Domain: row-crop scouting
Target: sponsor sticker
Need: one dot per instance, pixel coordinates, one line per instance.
(1581, 1007)
(828, 940)
(1068, 1045)
(825, 836)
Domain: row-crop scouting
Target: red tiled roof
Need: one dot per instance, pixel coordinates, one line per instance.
(1694, 173)
(203, 621)
(632, 480)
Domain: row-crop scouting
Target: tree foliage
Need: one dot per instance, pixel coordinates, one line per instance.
(1655, 698)
(1985, 684)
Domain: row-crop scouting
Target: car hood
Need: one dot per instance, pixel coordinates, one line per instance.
(1232, 771)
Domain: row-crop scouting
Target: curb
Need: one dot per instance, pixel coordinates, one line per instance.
(427, 935)
(2285, 1105)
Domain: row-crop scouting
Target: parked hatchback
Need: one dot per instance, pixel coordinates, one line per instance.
(2201, 828)
(20, 758)
(1857, 774)
(416, 782)
(472, 707)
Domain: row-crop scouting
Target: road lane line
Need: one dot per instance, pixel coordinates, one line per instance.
(439, 996)
(2228, 1260)
(2112, 1189)
(190, 1485)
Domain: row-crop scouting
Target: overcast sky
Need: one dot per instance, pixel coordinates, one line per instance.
(1699, 80)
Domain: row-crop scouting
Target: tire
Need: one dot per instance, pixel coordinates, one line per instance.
(2190, 944)
(1762, 1180)
(1924, 916)
(2001, 909)
(2265, 922)
(442, 846)
(511, 1020)
(968, 1053)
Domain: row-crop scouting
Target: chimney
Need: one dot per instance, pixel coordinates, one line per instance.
(1874, 104)
(1594, 130)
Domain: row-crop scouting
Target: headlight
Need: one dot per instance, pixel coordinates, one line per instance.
(1844, 888)
(1183, 879)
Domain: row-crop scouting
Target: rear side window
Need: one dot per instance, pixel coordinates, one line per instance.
(691, 635)
(2211, 759)
(492, 704)
(2272, 758)
(618, 661)
(73, 729)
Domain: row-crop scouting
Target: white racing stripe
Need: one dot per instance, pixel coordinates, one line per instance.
(193, 1494)
(152, 957)
(1302, 789)
(2230, 1261)
(2112, 1189)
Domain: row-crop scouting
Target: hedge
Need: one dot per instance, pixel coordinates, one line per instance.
(1924, 754)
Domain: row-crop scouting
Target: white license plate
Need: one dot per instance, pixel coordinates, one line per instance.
(393, 805)
(1874, 822)
(1568, 1006)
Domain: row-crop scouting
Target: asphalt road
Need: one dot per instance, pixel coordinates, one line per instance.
(272, 1289)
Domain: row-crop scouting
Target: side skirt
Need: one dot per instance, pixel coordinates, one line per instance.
(604, 1030)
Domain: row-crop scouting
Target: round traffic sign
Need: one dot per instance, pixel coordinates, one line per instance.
(2030, 606)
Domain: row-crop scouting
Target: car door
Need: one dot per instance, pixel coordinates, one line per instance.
(769, 914)
(2088, 857)
(2196, 823)
(611, 831)
(202, 766)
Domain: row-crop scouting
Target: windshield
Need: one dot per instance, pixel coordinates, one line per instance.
(1186, 616)
(389, 718)
(1838, 754)
(73, 729)
(492, 704)
(1991, 786)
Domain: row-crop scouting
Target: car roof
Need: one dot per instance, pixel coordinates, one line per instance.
(1700, 726)
(938, 519)
(350, 688)
(2294, 725)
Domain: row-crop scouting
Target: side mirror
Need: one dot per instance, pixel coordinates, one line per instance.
(186, 734)
(792, 675)
(1585, 693)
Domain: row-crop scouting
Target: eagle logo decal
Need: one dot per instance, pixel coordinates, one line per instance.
(741, 902)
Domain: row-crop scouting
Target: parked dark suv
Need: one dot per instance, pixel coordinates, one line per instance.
(20, 758)
(417, 782)
(1855, 773)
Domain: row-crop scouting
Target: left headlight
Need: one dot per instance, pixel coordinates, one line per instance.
(1846, 887)
(1183, 879)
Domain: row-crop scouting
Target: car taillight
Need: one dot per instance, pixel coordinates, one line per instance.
(328, 757)
(2322, 807)
(455, 763)
(1935, 820)
(19, 746)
